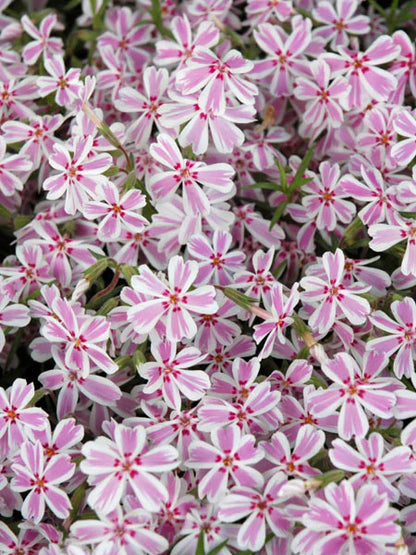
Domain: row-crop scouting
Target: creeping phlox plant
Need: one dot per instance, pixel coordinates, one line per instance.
(207, 277)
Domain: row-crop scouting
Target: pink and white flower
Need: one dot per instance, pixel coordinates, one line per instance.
(370, 464)
(187, 173)
(399, 337)
(17, 419)
(79, 175)
(171, 300)
(277, 319)
(41, 477)
(112, 465)
(331, 297)
(231, 455)
(169, 373)
(348, 521)
(262, 511)
(120, 532)
(355, 390)
(216, 78)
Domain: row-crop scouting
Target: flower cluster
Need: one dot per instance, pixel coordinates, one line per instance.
(207, 277)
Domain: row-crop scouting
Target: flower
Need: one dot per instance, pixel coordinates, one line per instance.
(81, 336)
(400, 337)
(11, 315)
(331, 296)
(385, 236)
(339, 21)
(111, 464)
(371, 465)
(17, 420)
(43, 43)
(278, 319)
(231, 454)
(278, 454)
(168, 373)
(117, 211)
(217, 77)
(41, 477)
(78, 175)
(171, 300)
(368, 82)
(354, 389)
(169, 52)
(263, 511)
(381, 203)
(188, 174)
(120, 532)
(285, 60)
(146, 105)
(216, 265)
(347, 522)
(325, 100)
(67, 85)
(324, 200)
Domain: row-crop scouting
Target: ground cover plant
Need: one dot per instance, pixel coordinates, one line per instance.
(207, 277)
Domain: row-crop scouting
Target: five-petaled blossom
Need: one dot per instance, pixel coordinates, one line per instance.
(169, 373)
(355, 390)
(348, 522)
(125, 460)
(171, 300)
(41, 476)
(279, 317)
(331, 298)
(229, 455)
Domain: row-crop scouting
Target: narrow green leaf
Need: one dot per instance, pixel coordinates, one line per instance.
(278, 214)
(200, 550)
(378, 8)
(238, 298)
(218, 548)
(20, 221)
(130, 182)
(113, 170)
(97, 255)
(282, 173)
(4, 213)
(301, 170)
(263, 185)
(280, 269)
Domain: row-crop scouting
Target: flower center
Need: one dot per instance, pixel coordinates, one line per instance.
(228, 461)
(11, 414)
(352, 528)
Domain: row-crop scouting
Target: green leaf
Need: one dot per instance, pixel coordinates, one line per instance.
(128, 272)
(263, 185)
(130, 182)
(4, 213)
(278, 214)
(94, 272)
(282, 173)
(113, 170)
(280, 269)
(238, 298)
(71, 5)
(97, 255)
(156, 13)
(301, 170)
(218, 548)
(200, 550)
(328, 477)
(378, 8)
(20, 221)
(107, 306)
